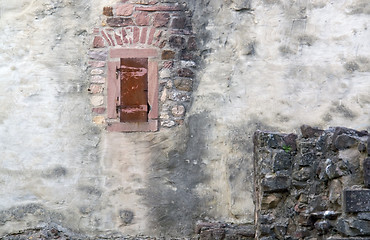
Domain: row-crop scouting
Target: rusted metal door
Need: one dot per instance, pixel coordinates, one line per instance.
(134, 90)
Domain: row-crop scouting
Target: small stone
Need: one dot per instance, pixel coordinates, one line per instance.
(98, 55)
(276, 184)
(97, 71)
(361, 227)
(99, 120)
(125, 10)
(309, 132)
(307, 159)
(364, 216)
(322, 227)
(99, 110)
(168, 54)
(367, 172)
(266, 219)
(165, 73)
(98, 42)
(94, 88)
(361, 147)
(280, 231)
(178, 23)
(185, 72)
(161, 19)
(266, 229)
(270, 201)
(97, 79)
(177, 42)
(344, 141)
(179, 96)
(97, 64)
(97, 100)
(184, 84)
(126, 216)
(192, 44)
(335, 190)
(108, 11)
(168, 123)
(303, 174)
(357, 200)
(164, 95)
(178, 111)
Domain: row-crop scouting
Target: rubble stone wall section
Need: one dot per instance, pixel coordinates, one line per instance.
(312, 186)
(161, 25)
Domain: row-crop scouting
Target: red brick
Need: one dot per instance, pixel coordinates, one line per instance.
(124, 34)
(125, 10)
(136, 34)
(98, 42)
(144, 32)
(129, 34)
(110, 37)
(161, 19)
(119, 22)
(118, 39)
(159, 8)
(142, 18)
(108, 11)
(168, 64)
(99, 110)
(151, 36)
(106, 38)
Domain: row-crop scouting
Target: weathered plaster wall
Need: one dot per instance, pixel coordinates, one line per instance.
(271, 65)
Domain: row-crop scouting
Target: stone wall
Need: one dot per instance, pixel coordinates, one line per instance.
(269, 65)
(312, 186)
(162, 26)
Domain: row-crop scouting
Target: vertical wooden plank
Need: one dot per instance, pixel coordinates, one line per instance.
(113, 89)
(153, 89)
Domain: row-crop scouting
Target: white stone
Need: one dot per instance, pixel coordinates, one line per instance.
(97, 100)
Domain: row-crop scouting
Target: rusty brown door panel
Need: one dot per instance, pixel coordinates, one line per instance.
(134, 90)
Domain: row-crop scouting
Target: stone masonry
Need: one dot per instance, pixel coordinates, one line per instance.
(161, 25)
(313, 186)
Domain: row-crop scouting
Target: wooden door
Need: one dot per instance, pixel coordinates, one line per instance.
(134, 90)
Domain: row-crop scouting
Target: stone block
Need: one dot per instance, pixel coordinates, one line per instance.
(357, 200)
(142, 18)
(270, 201)
(282, 161)
(161, 19)
(119, 22)
(367, 172)
(98, 42)
(303, 174)
(177, 42)
(344, 141)
(98, 55)
(183, 84)
(178, 23)
(309, 132)
(108, 11)
(276, 184)
(98, 110)
(125, 10)
(168, 54)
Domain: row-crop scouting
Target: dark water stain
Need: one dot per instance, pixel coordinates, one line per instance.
(170, 194)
